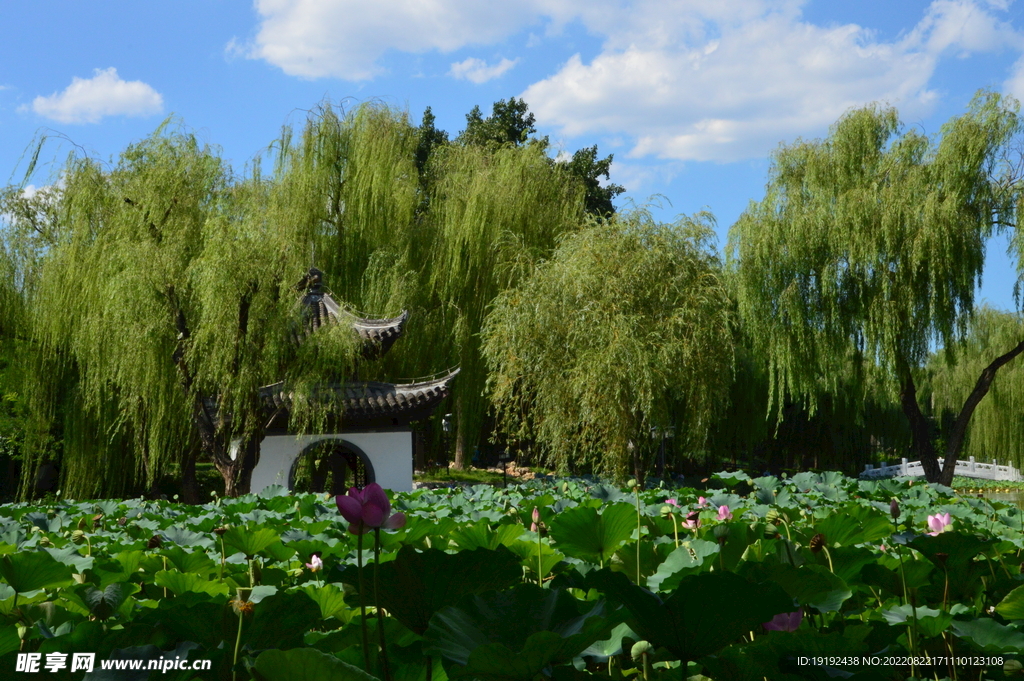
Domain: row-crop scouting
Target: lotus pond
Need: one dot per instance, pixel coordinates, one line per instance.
(766, 578)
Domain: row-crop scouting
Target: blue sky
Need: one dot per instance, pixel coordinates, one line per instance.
(691, 96)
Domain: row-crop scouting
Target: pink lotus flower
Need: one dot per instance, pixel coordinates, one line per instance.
(672, 502)
(701, 501)
(785, 621)
(692, 521)
(315, 563)
(939, 522)
(724, 513)
(368, 509)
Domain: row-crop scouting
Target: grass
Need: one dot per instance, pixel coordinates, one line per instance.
(471, 476)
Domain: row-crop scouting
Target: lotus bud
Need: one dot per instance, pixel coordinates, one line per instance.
(536, 514)
(894, 510)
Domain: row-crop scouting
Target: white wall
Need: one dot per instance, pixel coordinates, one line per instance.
(389, 452)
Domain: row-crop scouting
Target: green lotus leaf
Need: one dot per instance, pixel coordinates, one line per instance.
(416, 584)
(191, 617)
(331, 600)
(480, 535)
(990, 637)
(281, 620)
(583, 533)
(9, 639)
(706, 612)
(690, 558)
(813, 585)
(31, 570)
(549, 629)
(602, 650)
(105, 602)
(182, 582)
(930, 622)
(852, 524)
(186, 538)
(305, 664)
(1012, 607)
(197, 562)
(250, 541)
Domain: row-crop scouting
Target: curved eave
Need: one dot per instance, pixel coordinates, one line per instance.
(378, 335)
(366, 403)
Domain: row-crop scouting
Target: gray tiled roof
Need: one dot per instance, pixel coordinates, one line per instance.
(367, 403)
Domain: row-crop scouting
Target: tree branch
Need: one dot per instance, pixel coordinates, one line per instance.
(981, 388)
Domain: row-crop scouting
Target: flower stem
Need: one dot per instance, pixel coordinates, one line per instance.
(639, 531)
(362, 601)
(238, 639)
(376, 601)
(540, 562)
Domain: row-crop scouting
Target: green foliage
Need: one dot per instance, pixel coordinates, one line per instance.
(624, 328)
(583, 533)
(447, 602)
(305, 664)
(868, 247)
(998, 423)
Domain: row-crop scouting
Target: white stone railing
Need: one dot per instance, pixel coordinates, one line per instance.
(969, 469)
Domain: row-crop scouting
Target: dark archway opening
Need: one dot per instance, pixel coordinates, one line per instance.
(330, 466)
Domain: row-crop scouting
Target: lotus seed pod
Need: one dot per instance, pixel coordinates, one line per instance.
(78, 536)
(773, 516)
(666, 511)
(639, 649)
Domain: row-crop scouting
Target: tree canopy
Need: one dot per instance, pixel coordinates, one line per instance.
(158, 291)
(867, 249)
(625, 328)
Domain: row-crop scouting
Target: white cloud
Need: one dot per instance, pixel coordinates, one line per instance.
(88, 100)
(477, 71)
(675, 79)
(345, 38)
(720, 83)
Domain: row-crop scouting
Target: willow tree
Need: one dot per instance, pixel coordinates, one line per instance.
(625, 328)
(166, 299)
(399, 219)
(997, 427)
(867, 248)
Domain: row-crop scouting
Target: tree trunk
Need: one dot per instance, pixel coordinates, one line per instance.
(921, 441)
(956, 436)
(189, 483)
(460, 438)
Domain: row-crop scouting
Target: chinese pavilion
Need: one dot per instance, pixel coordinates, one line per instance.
(369, 437)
